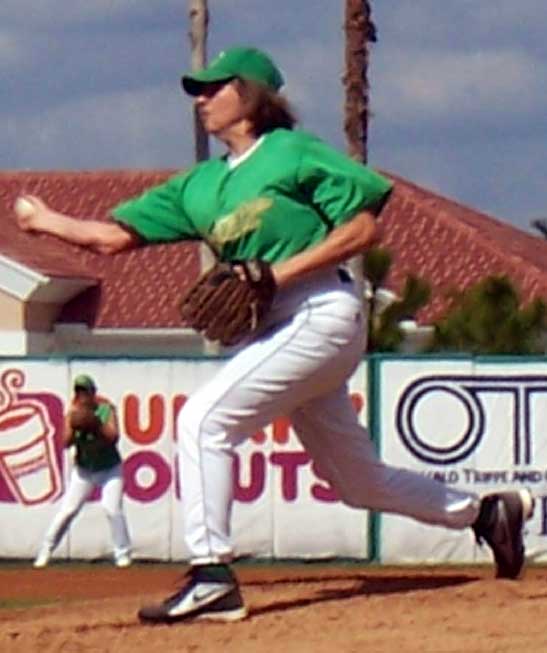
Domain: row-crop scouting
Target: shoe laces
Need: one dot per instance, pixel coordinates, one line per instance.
(182, 583)
(191, 576)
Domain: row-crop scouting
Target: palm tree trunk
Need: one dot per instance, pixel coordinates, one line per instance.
(199, 21)
(359, 30)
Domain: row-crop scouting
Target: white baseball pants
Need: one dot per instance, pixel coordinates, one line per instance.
(297, 368)
(82, 482)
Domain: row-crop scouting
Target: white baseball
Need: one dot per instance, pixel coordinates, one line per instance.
(23, 207)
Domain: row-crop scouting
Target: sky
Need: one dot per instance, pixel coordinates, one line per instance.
(458, 87)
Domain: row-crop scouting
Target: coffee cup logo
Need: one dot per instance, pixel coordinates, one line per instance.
(28, 462)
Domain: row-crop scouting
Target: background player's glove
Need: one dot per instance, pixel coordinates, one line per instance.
(82, 418)
(228, 302)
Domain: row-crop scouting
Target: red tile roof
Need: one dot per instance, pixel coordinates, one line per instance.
(135, 289)
(450, 245)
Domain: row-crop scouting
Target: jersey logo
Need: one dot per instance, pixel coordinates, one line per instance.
(245, 219)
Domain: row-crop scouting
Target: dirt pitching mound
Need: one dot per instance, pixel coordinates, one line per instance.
(292, 609)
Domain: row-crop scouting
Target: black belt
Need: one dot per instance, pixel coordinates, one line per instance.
(344, 275)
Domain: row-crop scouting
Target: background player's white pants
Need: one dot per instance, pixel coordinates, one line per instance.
(82, 482)
(299, 368)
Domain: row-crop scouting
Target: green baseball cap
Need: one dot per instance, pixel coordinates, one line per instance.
(243, 62)
(84, 382)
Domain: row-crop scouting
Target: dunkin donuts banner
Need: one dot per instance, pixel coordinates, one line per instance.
(282, 508)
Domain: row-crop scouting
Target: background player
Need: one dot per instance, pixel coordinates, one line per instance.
(97, 463)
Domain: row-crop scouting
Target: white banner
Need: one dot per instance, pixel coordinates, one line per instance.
(283, 508)
(480, 426)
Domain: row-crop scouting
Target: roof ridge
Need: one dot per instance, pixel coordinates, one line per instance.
(87, 172)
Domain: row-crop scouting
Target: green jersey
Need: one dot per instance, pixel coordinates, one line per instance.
(284, 197)
(94, 453)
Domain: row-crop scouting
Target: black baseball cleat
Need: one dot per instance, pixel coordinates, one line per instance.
(500, 523)
(211, 592)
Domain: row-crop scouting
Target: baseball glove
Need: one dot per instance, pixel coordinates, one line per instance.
(82, 418)
(228, 302)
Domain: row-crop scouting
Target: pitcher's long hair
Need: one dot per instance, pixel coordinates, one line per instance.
(270, 109)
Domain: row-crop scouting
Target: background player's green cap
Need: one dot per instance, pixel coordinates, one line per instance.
(243, 62)
(84, 382)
